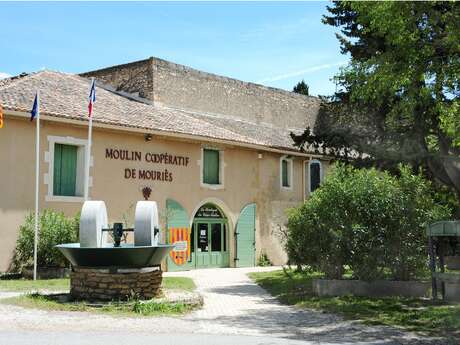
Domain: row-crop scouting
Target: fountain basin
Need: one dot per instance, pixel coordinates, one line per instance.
(126, 255)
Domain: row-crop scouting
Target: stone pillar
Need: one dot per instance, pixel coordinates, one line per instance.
(108, 284)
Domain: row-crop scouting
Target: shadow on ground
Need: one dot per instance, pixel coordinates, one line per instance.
(290, 322)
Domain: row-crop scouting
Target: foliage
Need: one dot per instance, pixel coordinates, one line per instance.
(412, 314)
(399, 97)
(302, 88)
(153, 307)
(365, 219)
(263, 260)
(54, 228)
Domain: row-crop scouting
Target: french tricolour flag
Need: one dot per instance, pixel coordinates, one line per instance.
(92, 97)
(35, 110)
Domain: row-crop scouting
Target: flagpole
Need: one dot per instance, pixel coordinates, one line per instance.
(88, 153)
(37, 181)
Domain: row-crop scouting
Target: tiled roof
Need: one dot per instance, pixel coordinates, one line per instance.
(66, 95)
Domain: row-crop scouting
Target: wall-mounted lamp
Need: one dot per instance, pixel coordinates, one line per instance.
(260, 156)
(148, 137)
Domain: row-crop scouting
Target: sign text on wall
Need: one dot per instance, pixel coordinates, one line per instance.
(149, 157)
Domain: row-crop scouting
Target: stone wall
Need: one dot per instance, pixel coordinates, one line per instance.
(106, 285)
(134, 78)
(185, 87)
(179, 86)
(379, 288)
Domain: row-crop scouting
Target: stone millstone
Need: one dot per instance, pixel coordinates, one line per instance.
(106, 284)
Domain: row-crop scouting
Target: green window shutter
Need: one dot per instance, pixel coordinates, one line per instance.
(65, 170)
(284, 172)
(211, 167)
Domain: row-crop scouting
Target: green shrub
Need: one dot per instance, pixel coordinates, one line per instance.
(263, 260)
(153, 307)
(54, 228)
(367, 220)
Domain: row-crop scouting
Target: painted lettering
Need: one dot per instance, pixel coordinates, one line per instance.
(130, 173)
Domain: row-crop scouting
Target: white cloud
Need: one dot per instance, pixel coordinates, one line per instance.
(4, 75)
(301, 72)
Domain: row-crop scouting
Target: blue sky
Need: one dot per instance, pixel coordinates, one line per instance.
(275, 44)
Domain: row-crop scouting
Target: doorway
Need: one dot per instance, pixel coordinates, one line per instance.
(209, 238)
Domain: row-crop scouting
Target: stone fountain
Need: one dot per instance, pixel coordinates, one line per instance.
(102, 270)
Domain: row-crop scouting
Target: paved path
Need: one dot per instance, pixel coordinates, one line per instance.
(234, 306)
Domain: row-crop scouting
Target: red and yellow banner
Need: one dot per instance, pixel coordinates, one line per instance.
(1, 116)
(180, 237)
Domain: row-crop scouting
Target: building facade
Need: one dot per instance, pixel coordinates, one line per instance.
(214, 153)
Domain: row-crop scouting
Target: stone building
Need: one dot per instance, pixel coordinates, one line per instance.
(215, 153)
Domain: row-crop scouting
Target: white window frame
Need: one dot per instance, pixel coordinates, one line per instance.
(310, 162)
(222, 166)
(82, 145)
(290, 167)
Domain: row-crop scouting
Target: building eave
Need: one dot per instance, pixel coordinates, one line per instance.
(173, 135)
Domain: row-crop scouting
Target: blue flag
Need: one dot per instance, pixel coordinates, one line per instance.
(34, 111)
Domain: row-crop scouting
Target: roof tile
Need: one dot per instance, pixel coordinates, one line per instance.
(66, 95)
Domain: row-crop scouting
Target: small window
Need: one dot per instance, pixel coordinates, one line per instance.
(286, 172)
(211, 167)
(315, 175)
(65, 170)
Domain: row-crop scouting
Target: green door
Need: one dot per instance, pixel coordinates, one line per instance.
(245, 237)
(208, 236)
(210, 239)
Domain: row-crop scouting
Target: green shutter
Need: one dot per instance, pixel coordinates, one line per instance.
(57, 169)
(284, 171)
(176, 217)
(65, 170)
(245, 241)
(211, 166)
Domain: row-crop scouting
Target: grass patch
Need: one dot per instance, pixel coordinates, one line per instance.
(24, 285)
(418, 315)
(129, 308)
(62, 302)
(178, 283)
(153, 308)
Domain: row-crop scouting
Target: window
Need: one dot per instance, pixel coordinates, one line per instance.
(286, 172)
(211, 167)
(216, 237)
(315, 173)
(65, 170)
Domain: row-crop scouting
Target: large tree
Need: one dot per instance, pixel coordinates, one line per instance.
(399, 97)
